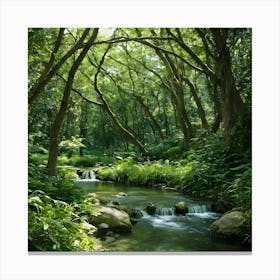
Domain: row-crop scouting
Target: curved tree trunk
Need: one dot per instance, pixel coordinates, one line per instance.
(233, 106)
(178, 97)
(51, 69)
(58, 121)
(127, 134)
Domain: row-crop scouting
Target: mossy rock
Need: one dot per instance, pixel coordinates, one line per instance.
(122, 194)
(181, 208)
(150, 208)
(230, 224)
(117, 220)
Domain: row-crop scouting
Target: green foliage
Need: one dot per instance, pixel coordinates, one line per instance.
(56, 213)
(168, 149)
(60, 187)
(241, 188)
(143, 93)
(208, 170)
(147, 173)
(54, 225)
(90, 160)
(71, 145)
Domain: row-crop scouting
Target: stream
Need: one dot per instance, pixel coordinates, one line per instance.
(164, 231)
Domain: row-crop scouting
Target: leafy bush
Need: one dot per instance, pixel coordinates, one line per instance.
(168, 149)
(147, 174)
(208, 169)
(54, 225)
(38, 159)
(56, 212)
(241, 188)
(89, 161)
(59, 187)
(71, 145)
(86, 160)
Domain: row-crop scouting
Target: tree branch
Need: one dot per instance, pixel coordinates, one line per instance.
(41, 82)
(181, 42)
(80, 93)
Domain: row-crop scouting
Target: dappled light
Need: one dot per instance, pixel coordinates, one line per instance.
(139, 139)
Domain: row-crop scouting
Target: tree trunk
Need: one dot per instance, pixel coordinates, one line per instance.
(178, 95)
(233, 107)
(200, 109)
(185, 123)
(58, 121)
(215, 96)
(83, 124)
(154, 124)
(127, 134)
(51, 69)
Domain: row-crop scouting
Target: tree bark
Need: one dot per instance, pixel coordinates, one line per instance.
(58, 121)
(200, 109)
(51, 69)
(233, 107)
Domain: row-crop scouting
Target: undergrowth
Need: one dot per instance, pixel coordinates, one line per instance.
(56, 213)
(206, 169)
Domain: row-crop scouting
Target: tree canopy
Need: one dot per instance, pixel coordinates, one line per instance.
(164, 108)
(134, 88)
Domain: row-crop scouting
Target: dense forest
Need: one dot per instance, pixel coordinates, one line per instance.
(166, 110)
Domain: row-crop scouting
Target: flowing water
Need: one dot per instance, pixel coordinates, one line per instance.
(164, 231)
(89, 175)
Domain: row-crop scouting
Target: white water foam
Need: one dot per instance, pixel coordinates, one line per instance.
(165, 211)
(88, 176)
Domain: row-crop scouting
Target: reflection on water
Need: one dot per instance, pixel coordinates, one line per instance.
(163, 231)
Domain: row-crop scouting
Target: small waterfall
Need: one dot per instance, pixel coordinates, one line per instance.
(198, 209)
(165, 211)
(89, 175)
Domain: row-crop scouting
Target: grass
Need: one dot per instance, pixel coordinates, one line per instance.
(77, 161)
(225, 179)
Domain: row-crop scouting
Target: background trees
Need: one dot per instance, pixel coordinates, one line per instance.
(138, 88)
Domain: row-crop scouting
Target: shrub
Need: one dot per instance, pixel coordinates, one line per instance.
(90, 160)
(59, 187)
(71, 145)
(54, 225)
(208, 169)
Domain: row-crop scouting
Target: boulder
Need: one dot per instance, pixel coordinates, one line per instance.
(150, 208)
(117, 220)
(122, 194)
(80, 173)
(181, 207)
(134, 215)
(231, 224)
